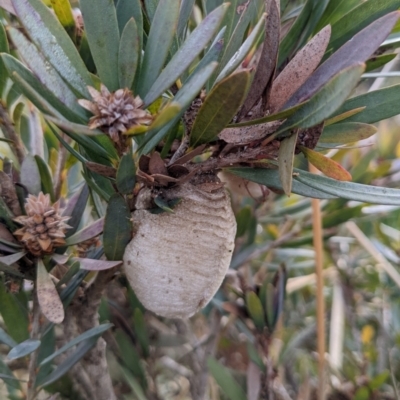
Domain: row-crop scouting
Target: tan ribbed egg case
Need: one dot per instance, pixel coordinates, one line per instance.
(176, 261)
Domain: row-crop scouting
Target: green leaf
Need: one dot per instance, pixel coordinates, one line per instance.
(270, 178)
(286, 161)
(12, 383)
(75, 208)
(378, 61)
(14, 316)
(117, 228)
(30, 175)
(345, 115)
(49, 300)
(101, 27)
(6, 339)
(12, 258)
(161, 34)
(23, 349)
(49, 35)
(141, 332)
(379, 105)
(37, 92)
(65, 366)
(350, 190)
(248, 44)
(128, 56)
(256, 310)
(95, 332)
(63, 11)
(378, 381)
(219, 108)
(184, 15)
(184, 98)
(225, 380)
(3, 49)
(185, 56)
(134, 384)
(46, 74)
(360, 17)
(326, 165)
(347, 132)
(127, 9)
(45, 178)
(362, 393)
(290, 40)
(356, 50)
(326, 101)
(336, 10)
(126, 174)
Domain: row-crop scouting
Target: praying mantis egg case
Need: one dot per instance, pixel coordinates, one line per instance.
(176, 261)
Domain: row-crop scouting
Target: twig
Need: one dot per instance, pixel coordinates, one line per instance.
(31, 395)
(319, 265)
(9, 133)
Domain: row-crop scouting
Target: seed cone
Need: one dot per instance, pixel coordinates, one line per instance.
(43, 226)
(176, 261)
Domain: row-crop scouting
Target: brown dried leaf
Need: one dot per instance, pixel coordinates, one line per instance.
(144, 163)
(101, 169)
(299, 69)
(187, 157)
(309, 137)
(157, 165)
(266, 66)
(164, 179)
(177, 171)
(49, 300)
(9, 194)
(248, 134)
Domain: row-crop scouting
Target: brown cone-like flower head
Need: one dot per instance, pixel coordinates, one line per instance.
(43, 226)
(115, 112)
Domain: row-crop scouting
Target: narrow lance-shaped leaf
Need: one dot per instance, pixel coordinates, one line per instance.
(357, 50)
(12, 258)
(23, 349)
(46, 31)
(69, 362)
(347, 132)
(49, 300)
(225, 380)
(4, 48)
(256, 310)
(128, 55)
(88, 232)
(126, 174)
(378, 105)
(161, 34)
(265, 69)
(102, 31)
(45, 178)
(184, 57)
(292, 37)
(326, 165)
(35, 91)
(345, 115)
(270, 178)
(358, 18)
(350, 190)
(30, 175)
(117, 228)
(219, 108)
(96, 265)
(184, 97)
(326, 101)
(94, 332)
(299, 69)
(239, 56)
(286, 161)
